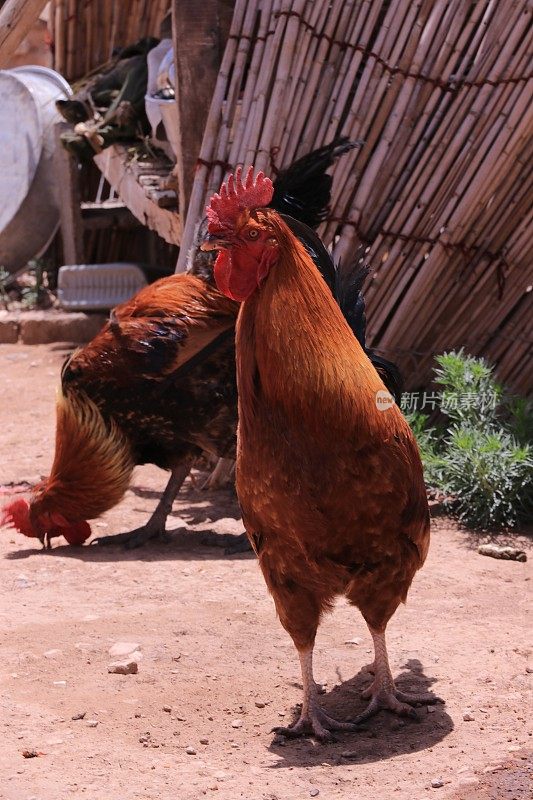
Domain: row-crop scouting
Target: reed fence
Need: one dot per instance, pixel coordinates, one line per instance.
(86, 32)
(441, 192)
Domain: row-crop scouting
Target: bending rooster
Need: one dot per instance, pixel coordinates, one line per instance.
(331, 487)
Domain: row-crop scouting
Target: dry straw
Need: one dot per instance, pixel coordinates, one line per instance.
(441, 193)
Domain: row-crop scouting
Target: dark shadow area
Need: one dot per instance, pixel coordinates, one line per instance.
(382, 737)
(183, 545)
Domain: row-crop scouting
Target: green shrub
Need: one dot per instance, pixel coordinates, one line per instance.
(483, 457)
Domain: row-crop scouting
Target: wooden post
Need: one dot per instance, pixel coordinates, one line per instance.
(16, 19)
(199, 32)
(69, 199)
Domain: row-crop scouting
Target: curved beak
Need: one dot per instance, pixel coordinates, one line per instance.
(213, 242)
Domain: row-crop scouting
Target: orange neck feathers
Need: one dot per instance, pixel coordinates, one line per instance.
(293, 340)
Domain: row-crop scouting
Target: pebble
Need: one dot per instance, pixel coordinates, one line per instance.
(468, 717)
(349, 754)
(60, 683)
(126, 667)
(168, 709)
(314, 792)
(122, 649)
(258, 704)
(92, 723)
(190, 751)
(431, 709)
(204, 741)
(236, 723)
(437, 783)
(79, 716)
(355, 640)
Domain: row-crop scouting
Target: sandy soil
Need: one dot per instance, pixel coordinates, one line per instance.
(215, 656)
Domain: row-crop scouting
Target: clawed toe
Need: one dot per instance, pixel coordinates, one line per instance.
(391, 700)
(317, 724)
(305, 728)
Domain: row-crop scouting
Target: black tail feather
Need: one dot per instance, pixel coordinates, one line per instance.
(303, 190)
(349, 282)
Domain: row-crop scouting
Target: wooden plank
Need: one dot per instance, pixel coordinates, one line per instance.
(69, 197)
(16, 19)
(119, 171)
(199, 32)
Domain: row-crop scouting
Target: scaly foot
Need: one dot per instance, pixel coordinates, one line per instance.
(317, 723)
(385, 696)
(135, 538)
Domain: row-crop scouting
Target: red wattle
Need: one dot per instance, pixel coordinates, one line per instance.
(76, 534)
(233, 280)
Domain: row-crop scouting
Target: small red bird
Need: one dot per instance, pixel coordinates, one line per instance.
(330, 485)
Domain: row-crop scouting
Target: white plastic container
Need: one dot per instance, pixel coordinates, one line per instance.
(161, 71)
(97, 287)
(29, 213)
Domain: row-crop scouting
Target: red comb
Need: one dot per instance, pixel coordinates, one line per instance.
(17, 515)
(235, 196)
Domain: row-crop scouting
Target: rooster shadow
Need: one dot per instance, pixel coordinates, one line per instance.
(181, 544)
(382, 737)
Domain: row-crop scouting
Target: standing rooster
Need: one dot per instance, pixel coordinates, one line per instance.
(331, 487)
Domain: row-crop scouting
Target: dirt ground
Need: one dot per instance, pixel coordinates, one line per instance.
(216, 658)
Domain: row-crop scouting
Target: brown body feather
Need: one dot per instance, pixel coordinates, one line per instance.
(331, 488)
(126, 398)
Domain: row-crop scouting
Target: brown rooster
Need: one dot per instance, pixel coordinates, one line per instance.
(331, 487)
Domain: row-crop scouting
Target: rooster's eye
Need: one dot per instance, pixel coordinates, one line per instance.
(253, 233)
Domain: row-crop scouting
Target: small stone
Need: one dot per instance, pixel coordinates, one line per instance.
(259, 704)
(236, 723)
(356, 640)
(60, 683)
(30, 753)
(204, 741)
(349, 754)
(437, 783)
(92, 723)
(81, 715)
(144, 737)
(126, 667)
(529, 670)
(314, 792)
(190, 751)
(431, 709)
(168, 709)
(468, 717)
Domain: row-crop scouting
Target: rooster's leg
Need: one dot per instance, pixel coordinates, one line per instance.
(156, 525)
(313, 720)
(382, 692)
